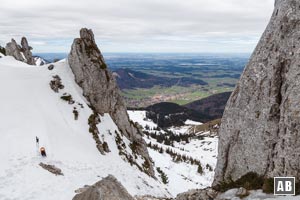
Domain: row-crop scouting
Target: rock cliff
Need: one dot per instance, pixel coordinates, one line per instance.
(21, 53)
(101, 90)
(261, 122)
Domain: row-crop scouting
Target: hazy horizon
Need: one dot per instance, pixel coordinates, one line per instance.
(138, 26)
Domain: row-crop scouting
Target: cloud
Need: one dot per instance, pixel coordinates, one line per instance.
(138, 25)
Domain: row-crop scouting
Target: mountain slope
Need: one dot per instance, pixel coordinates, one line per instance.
(168, 114)
(212, 106)
(29, 108)
(180, 159)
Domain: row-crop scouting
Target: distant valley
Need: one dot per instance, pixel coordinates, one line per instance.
(129, 79)
(146, 79)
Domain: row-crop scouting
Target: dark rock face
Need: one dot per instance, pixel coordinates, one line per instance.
(101, 90)
(107, 189)
(260, 127)
(21, 53)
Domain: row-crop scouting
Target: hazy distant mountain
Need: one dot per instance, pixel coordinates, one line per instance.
(168, 114)
(212, 106)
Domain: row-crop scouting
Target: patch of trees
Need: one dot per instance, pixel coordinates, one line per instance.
(176, 157)
(163, 176)
(168, 138)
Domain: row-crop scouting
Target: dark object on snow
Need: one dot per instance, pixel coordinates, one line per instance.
(51, 67)
(56, 84)
(2, 50)
(37, 139)
(52, 169)
(43, 152)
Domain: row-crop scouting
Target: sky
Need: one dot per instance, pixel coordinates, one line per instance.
(227, 26)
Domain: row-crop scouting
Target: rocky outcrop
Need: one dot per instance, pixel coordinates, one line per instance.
(108, 188)
(101, 90)
(26, 49)
(51, 168)
(21, 53)
(199, 194)
(260, 128)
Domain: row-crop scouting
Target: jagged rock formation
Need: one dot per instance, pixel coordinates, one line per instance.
(21, 53)
(260, 127)
(108, 188)
(101, 90)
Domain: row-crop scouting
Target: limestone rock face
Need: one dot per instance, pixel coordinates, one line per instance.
(108, 188)
(260, 126)
(101, 90)
(21, 53)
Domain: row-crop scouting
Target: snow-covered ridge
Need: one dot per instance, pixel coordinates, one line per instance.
(29, 108)
(39, 61)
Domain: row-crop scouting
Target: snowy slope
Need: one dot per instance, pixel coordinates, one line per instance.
(182, 176)
(29, 108)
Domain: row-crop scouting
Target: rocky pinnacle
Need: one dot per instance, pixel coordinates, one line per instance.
(101, 90)
(21, 53)
(261, 122)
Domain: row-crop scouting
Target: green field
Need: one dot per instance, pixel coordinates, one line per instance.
(142, 97)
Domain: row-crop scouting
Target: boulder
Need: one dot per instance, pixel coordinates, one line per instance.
(108, 188)
(198, 194)
(52, 169)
